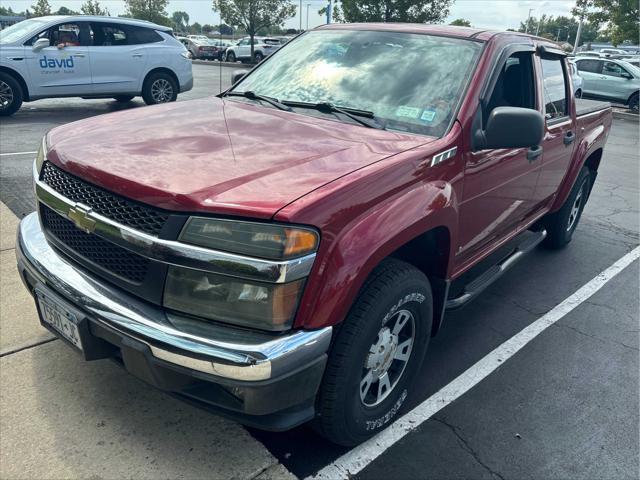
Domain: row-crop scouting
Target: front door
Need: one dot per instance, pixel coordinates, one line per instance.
(117, 62)
(499, 184)
(64, 67)
(615, 80)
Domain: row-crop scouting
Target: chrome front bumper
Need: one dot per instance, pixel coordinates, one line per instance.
(219, 351)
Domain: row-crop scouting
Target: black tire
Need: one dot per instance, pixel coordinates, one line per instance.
(633, 103)
(578, 93)
(123, 98)
(345, 416)
(11, 95)
(159, 87)
(561, 224)
(258, 56)
(230, 57)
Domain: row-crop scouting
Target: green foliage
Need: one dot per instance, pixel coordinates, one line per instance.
(461, 22)
(8, 12)
(225, 29)
(561, 29)
(254, 15)
(41, 8)
(414, 11)
(151, 10)
(66, 11)
(93, 7)
(180, 21)
(195, 29)
(620, 18)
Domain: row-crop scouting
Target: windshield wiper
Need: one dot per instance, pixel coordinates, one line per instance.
(354, 114)
(254, 96)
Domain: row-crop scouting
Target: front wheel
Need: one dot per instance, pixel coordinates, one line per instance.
(561, 224)
(160, 87)
(10, 95)
(376, 355)
(258, 57)
(231, 57)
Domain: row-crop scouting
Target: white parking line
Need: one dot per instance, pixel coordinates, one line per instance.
(358, 458)
(17, 153)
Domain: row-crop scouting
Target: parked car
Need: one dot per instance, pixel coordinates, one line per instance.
(610, 79)
(576, 79)
(202, 49)
(90, 57)
(284, 261)
(202, 38)
(222, 46)
(612, 51)
(589, 54)
(263, 47)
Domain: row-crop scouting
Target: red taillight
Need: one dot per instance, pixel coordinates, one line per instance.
(201, 48)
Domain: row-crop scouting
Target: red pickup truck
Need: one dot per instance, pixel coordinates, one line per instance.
(283, 252)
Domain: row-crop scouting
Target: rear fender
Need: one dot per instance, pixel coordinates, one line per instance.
(343, 269)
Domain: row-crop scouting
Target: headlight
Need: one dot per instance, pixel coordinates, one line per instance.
(267, 306)
(41, 156)
(274, 242)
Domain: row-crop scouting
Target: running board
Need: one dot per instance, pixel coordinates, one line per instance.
(478, 284)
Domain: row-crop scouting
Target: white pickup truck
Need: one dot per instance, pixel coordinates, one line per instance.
(90, 57)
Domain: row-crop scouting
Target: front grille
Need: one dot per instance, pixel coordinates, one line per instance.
(110, 205)
(113, 258)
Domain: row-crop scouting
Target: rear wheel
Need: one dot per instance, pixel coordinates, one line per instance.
(633, 103)
(123, 98)
(578, 93)
(258, 57)
(159, 87)
(561, 224)
(10, 95)
(231, 57)
(376, 355)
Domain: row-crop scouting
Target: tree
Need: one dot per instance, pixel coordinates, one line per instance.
(414, 11)
(559, 29)
(180, 21)
(41, 8)
(619, 17)
(66, 11)
(7, 11)
(92, 7)
(254, 15)
(225, 29)
(151, 10)
(195, 28)
(461, 22)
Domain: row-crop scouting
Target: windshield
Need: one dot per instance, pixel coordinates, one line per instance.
(410, 82)
(632, 68)
(20, 29)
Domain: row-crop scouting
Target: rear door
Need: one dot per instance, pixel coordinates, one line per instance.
(64, 67)
(499, 184)
(560, 134)
(590, 70)
(117, 60)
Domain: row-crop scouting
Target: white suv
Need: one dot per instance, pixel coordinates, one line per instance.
(90, 57)
(262, 47)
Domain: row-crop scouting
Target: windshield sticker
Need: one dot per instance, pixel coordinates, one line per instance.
(428, 116)
(409, 112)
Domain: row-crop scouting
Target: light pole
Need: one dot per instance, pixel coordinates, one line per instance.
(308, 5)
(300, 13)
(526, 27)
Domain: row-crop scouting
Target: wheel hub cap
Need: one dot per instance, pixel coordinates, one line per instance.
(161, 91)
(382, 353)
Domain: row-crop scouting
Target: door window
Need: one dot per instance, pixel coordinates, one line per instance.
(555, 88)
(108, 34)
(141, 36)
(65, 35)
(515, 86)
(613, 70)
(591, 66)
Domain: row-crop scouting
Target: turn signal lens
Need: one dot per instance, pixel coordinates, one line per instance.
(261, 240)
(41, 156)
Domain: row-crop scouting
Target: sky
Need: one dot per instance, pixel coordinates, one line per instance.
(491, 14)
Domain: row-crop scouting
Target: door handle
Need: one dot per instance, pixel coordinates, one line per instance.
(533, 153)
(81, 55)
(136, 55)
(569, 137)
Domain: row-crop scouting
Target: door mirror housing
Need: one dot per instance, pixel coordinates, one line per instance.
(237, 75)
(40, 44)
(510, 127)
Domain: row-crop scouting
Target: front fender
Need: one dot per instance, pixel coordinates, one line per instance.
(343, 267)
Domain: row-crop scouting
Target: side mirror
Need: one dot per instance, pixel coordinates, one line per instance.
(237, 75)
(40, 44)
(510, 127)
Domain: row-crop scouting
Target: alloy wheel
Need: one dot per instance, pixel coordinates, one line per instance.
(161, 91)
(575, 209)
(6, 95)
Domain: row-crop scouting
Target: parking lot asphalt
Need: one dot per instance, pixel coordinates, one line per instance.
(565, 406)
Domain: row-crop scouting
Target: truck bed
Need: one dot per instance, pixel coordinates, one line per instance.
(583, 106)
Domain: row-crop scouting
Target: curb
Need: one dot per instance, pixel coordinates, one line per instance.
(633, 117)
(215, 63)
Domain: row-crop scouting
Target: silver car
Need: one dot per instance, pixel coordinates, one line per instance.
(610, 79)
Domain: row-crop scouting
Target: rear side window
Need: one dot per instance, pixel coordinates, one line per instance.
(141, 35)
(592, 66)
(555, 88)
(108, 35)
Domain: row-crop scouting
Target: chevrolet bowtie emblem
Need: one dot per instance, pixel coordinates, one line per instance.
(79, 215)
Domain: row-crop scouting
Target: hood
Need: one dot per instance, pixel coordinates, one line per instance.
(218, 156)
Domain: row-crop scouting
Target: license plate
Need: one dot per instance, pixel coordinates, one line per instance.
(60, 318)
